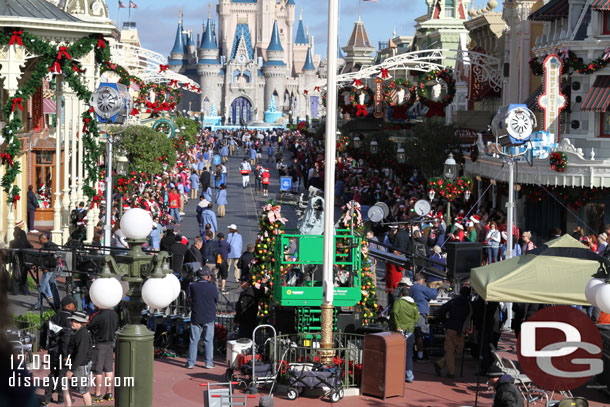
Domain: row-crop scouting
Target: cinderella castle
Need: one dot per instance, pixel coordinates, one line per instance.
(252, 66)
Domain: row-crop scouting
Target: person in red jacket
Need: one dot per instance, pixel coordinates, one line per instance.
(174, 205)
(393, 275)
(266, 180)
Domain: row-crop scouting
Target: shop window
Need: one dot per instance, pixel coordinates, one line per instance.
(604, 126)
(43, 177)
(606, 25)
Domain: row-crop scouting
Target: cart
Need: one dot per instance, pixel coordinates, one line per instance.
(222, 395)
(314, 376)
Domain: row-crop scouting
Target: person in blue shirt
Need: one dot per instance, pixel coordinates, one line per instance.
(194, 178)
(252, 156)
(207, 216)
(206, 159)
(437, 257)
(201, 164)
(422, 294)
(224, 153)
(207, 194)
(270, 152)
(221, 200)
(154, 238)
(235, 241)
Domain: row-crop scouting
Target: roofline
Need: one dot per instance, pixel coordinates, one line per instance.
(40, 24)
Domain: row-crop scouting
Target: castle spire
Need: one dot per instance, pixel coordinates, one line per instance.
(309, 66)
(275, 43)
(178, 42)
(300, 38)
(207, 42)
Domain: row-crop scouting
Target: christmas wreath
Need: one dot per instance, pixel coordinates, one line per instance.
(445, 75)
(345, 107)
(559, 161)
(450, 190)
(166, 97)
(361, 109)
(342, 142)
(572, 62)
(394, 86)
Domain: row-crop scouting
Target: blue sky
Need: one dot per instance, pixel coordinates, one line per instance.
(157, 20)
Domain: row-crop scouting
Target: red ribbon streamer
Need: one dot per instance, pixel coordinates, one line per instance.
(385, 73)
(163, 68)
(361, 110)
(6, 157)
(16, 38)
(101, 43)
(17, 103)
(63, 52)
(15, 199)
(56, 67)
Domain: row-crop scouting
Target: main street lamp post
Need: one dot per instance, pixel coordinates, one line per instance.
(449, 173)
(149, 279)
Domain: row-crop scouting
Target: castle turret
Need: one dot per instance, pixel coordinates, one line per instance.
(290, 6)
(274, 69)
(358, 49)
(208, 68)
(177, 55)
(301, 45)
(190, 45)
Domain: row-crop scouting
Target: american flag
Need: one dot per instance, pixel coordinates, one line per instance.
(122, 5)
(132, 4)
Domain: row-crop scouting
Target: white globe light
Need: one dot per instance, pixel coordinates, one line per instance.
(172, 281)
(136, 223)
(602, 298)
(591, 290)
(106, 293)
(156, 293)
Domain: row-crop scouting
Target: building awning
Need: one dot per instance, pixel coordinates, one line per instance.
(601, 5)
(598, 98)
(48, 106)
(552, 10)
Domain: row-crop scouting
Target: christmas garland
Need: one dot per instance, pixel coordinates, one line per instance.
(55, 59)
(450, 190)
(270, 224)
(573, 197)
(394, 86)
(166, 97)
(361, 110)
(558, 161)
(368, 303)
(446, 75)
(119, 70)
(572, 62)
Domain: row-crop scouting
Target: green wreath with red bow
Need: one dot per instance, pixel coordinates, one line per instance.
(361, 110)
(394, 86)
(445, 75)
(558, 161)
(166, 97)
(450, 190)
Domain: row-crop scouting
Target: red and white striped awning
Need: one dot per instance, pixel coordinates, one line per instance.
(598, 98)
(48, 106)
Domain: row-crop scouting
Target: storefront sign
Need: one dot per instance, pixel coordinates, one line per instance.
(378, 113)
(552, 101)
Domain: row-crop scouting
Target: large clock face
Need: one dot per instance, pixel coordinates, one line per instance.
(242, 58)
(519, 124)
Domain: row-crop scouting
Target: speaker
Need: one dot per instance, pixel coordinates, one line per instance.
(462, 257)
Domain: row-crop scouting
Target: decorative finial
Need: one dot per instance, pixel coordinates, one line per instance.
(394, 32)
(180, 16)
(492, 4)
(301, 13)
(209, 10)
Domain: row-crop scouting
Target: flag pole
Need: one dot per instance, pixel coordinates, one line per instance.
(129, 13)
(118, 4)
(359, 1)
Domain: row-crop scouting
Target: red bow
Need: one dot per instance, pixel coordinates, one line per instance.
(316, 89)
(163, 68)
(75, 68)
(16, 38)
(134, 111)
(100, 42)
(361, 110)
(385, 73)
(6, 157)
(173, 83)
(91, 110)
(111, 66)
(15, 199)
(198, 90)
(357, 83)
(56, 67)
(96, 200)
(17, 103)
(86, 121)
(63, 52)
(306, 92)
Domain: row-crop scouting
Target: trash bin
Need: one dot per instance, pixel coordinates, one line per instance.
(383, 365)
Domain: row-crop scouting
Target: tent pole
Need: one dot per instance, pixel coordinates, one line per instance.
(476, 399)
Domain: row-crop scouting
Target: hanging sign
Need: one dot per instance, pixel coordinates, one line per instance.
(379, 98)
(552, 101)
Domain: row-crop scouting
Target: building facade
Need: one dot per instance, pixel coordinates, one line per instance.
(252, 55)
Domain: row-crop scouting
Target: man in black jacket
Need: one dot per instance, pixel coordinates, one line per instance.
(507, 393)
(103, 325)
(79, 352)
(20, 241)
(168, 240)
(459, 314)
(222, 256)
(245, 261)
(246, 308)
(177, 250)
(203, 297)
(55, 337)
(32, 206)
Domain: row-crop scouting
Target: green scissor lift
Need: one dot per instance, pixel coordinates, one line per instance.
(305, 266)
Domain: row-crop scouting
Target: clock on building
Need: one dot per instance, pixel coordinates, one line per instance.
(242, 58)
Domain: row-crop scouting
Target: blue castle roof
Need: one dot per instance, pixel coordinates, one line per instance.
(300, 38)
(309, 66)
(191, 41)
(242, 30)
(291, 3)
(178, 43)
(275, 43)
(207, 42)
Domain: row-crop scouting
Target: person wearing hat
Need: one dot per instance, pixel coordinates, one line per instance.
(222, 257)
(507, 392)
(203, 297)
(55, 337)
(458, 312)
(235, 241)
(246, 307)
(403, 317)
(206, 216)
(244, 170)
(80, 353)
